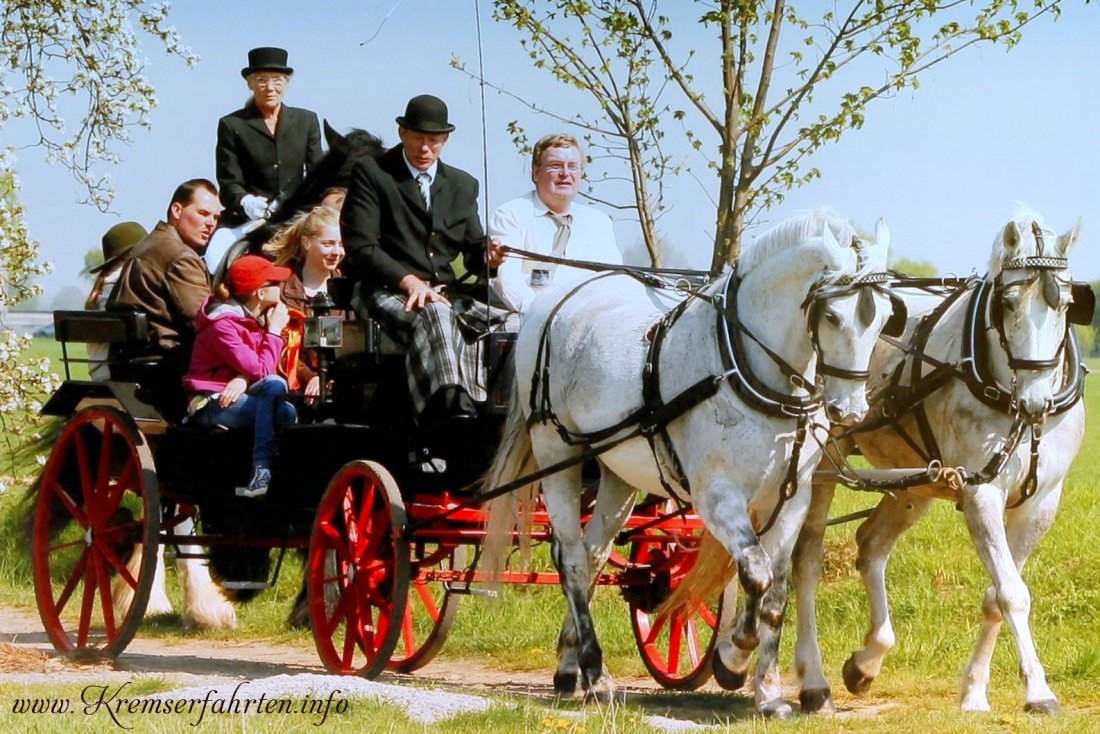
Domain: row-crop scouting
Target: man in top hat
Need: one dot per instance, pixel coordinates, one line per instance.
(265, 149)
(407, 217)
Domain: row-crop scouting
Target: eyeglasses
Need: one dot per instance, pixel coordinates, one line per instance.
(573, 169)
(276, 82)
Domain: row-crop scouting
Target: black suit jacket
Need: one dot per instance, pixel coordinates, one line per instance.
(388, 233)
(250, 160)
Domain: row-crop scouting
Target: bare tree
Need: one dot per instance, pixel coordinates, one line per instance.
(778, 103)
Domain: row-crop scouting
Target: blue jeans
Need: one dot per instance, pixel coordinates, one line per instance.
(263, 405)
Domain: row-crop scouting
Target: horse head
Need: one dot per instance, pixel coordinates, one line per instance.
(846, 311)
(820, 261)
(1032, 301)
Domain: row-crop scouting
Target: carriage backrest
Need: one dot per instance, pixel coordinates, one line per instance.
(103, 327)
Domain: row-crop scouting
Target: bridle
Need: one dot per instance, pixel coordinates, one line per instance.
(866, 284)
(1043, 268)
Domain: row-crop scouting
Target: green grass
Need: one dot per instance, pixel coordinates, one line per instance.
(936, 583)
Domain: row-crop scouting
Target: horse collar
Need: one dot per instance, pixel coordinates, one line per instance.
(739, 374)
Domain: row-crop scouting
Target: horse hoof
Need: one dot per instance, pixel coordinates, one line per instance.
(727, 679)
(816, 700)
(600, 692)
(776, 709)
(565, 684)
(1049, 707)
(854, 679)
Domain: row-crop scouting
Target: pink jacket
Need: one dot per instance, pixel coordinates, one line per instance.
(229, 343)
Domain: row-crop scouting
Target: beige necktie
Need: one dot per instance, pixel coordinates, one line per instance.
(561, 236)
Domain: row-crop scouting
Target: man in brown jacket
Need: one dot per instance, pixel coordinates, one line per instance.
(165, 276)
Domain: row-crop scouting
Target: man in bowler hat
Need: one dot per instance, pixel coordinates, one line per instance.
(407, 217)
(266, 148)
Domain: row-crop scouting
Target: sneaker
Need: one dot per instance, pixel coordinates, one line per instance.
(257, 486)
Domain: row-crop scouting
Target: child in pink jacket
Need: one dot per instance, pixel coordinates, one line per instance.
(232, 378)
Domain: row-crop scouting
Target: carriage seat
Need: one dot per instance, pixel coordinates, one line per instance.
(144, 381)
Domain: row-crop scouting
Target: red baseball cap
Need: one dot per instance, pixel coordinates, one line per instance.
(248, 273)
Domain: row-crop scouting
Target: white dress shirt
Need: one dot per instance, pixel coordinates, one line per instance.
(523, 223)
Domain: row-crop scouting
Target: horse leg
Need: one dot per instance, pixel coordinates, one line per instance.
(814, 692)
(579, 650)
(725, 514)
(204, 605)
(876, 539)
(298, 619)
(122, 594)
(1003, 550)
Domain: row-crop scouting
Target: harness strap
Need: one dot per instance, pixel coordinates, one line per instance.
(789, 487)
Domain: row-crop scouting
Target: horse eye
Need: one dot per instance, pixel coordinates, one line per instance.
(832, 317)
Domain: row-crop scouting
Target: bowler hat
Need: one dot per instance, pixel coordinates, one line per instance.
(426, 114)
(248, 273)
(116, 241)
(266, 58)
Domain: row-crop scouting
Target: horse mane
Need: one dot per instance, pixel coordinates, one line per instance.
(1022, 215)
(793, 232)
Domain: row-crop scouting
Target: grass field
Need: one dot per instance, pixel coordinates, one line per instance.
(936, 583)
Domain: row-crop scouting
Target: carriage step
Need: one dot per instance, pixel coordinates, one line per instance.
(468, 591)
(246, 585)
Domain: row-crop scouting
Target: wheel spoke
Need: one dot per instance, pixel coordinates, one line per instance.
(658, 623)
(371, 541)
(86, 603)
(707, 615)
(692, 639)
(425, 594)
(366, 523)
(87, 489)
(74, 579)
(350, 633)
(116, 562)
(104, 584)
(329, 625)
(675, 636)
(103, 471)
(114, 496)
(63, 546)
(407, 635)
(70, 504)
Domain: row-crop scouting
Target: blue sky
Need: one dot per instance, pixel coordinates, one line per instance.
(943, 164)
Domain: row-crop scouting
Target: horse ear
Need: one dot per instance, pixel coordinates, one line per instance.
(1011, 237)
(335, 140)
(882, 234)
(1068, 240)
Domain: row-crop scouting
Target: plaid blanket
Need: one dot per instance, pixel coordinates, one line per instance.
(445, 343)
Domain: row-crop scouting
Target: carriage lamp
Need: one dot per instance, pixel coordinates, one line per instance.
(322, 329)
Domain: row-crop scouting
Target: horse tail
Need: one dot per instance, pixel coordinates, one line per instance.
(509, 516)
(39, 444)
(708, 576)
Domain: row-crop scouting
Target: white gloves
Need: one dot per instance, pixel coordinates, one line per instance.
(255, 207)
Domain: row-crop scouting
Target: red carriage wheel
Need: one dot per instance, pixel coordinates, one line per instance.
(431, 607)
(676, 650)
(97, 499)
(358, 577)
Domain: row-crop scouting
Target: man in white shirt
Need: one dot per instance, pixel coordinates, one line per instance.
(548, 221)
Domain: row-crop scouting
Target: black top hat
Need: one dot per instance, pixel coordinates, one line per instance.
(426, 114)
(266, 58)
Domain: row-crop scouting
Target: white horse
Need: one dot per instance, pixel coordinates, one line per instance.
(798, 315)
(1023, 354)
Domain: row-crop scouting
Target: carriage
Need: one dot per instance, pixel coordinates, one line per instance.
(391, 534)
(394, 541)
